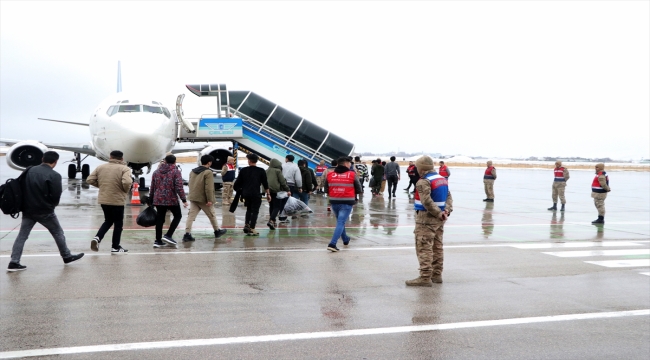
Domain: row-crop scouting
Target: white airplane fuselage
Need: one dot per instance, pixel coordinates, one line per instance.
(142, 128)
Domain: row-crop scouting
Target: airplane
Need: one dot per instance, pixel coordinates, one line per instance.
(144, 129)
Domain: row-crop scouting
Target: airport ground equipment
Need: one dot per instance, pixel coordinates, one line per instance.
(257, 125)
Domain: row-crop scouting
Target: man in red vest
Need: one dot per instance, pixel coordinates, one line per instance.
(320, 170)
(599, 189)
(559, 183)
(444, 170)
(488, 181)
(343, 186)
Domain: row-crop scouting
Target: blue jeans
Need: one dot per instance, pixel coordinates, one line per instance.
(50, 222)
(342, 213)
(304, 197)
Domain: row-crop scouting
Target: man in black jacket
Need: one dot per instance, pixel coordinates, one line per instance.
(309, 182)
(41, 194)
(248, 183)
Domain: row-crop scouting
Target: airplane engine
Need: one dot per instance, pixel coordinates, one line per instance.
(24, 154)
(220, 156)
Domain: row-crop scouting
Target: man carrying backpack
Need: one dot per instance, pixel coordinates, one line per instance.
(42, 192)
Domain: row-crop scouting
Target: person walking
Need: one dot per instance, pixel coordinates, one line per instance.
(599, 189)
(377, 172)
(320, 169)
(383, 180)
(277, 184)
(308, 181)
(343, 186)
(393, 176)
(227, 177)
(249, 181)
(412, 173)
(488, 181)
(561, 176)
(362, 172)
(443, 170)
(201, 197)
(291, 173)
(166, 187)
(333, 165)
(114, 182)
(433, 204)
(41, 196)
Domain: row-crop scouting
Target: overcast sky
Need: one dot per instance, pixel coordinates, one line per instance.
(497, 79)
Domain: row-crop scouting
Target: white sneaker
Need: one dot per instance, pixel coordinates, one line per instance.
(94, 243)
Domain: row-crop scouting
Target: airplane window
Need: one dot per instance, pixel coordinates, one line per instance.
(152, 109)
(111, 110)
(156, 103)
(129, 108)
(167, 113)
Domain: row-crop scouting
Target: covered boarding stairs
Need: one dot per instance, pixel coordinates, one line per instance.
(271, 131)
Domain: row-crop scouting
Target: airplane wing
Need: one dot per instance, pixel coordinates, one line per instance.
(194, 147)
(66, 122)
(80, 148)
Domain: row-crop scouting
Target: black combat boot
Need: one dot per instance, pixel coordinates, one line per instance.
(600, 220)
(554, 207)
(562, 208)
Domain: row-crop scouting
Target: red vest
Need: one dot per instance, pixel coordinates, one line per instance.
(320, 169)
(443, 171)
(411, 170)
(341, 186)
(559, 174)
(488, 173)
(595, 185)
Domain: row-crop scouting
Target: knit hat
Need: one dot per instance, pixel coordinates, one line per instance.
(230, 158)
(424, 163)
(558, 163)
(489, 162)
(600, 166)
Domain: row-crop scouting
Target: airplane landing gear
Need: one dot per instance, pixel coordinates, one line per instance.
(74, 169)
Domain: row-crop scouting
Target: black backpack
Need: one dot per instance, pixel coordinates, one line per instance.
(11, 195)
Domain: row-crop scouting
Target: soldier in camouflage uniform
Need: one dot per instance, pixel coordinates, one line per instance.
(599, 189)
(433, 204)
(561, 176)
(488, 181)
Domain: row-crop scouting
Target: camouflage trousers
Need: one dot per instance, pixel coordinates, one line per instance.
(428, 247)
(599, 201)
(558, 190)
(489, 188)
(226, 193)
(320, 181)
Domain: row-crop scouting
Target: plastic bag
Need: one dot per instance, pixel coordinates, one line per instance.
(147, 217)
(372, 182)
(281, 194)
(295, 206)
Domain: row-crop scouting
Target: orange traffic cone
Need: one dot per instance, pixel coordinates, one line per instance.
(135, 196)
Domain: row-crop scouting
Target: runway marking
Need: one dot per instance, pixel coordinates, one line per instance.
(622, 263)
(588, 253)
(316, 335)
(645, 273)
(574, 244)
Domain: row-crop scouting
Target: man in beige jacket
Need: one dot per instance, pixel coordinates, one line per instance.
(201, 197)
(114, 182)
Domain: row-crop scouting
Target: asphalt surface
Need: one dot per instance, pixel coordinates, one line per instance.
(511, 268)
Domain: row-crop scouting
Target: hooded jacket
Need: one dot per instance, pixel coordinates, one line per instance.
(274, 176)
(201, 185)
(114, 182)
(167, 186)
(308, 179)
(292, 174)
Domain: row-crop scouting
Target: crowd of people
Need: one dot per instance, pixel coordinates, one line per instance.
(342, 181)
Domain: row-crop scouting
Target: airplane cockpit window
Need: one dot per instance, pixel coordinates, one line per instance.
(156, 103)
(111, 110)
(123, 102)
(152, 109)
(167, 113)
(129, 108)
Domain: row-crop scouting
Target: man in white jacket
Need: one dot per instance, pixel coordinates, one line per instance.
(291, 173)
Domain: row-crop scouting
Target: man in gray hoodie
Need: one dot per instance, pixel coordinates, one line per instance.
(292, 174)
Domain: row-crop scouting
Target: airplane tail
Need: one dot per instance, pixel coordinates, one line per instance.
(119, 77)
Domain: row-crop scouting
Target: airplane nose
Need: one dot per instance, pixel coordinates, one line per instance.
(145, 140)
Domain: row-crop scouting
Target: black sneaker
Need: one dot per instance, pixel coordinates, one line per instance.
(332, 248)
(16, 267)
(218, 233)
(188, 237)
(72, 258)
(158, 244)
(247, 229)
(346, 241)
(94, 243)
(119, 250)
(169, 240)
(271, 225)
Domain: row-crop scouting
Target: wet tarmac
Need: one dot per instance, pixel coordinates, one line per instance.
(282, 295)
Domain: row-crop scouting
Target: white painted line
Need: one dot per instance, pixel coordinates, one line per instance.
(575, 244)
(315, 335)
(588, 253)
(645, 273)
(622, 263)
